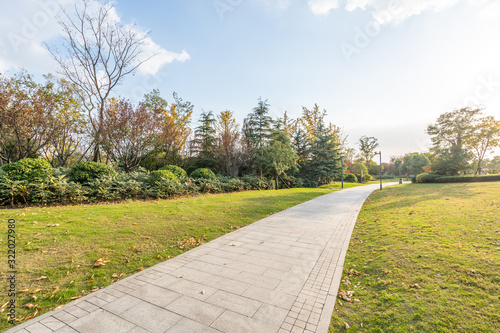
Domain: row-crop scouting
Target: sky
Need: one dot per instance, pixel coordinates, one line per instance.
(381, 68)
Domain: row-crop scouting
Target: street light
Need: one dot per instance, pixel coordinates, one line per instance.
(380, 153)
(342, 162)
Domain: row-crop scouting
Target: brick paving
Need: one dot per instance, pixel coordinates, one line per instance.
(280, 274)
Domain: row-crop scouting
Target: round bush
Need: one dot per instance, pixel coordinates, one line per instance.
(427, 178)
(176, 170)
(203, 173)
(30, 169)
(350, 178)
(161, 175)
(88, 171)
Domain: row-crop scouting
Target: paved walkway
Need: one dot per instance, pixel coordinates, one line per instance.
(280, 274)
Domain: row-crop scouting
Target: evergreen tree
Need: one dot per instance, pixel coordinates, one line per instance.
(205, 139)
(324, 163)
(277, 157)
(257, 126)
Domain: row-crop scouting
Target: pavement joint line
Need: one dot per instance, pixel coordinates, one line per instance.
(310, 239)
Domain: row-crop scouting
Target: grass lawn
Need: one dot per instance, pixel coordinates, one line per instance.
(57, 247)
(424, 258)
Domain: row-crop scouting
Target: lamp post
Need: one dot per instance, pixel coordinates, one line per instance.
(342, 162)
(407, 172)
(380, 153)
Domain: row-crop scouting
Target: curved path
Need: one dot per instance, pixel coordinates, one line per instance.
(280, 274)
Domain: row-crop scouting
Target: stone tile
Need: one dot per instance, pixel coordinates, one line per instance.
(38, 328)
(230, 322)
(64, 316)
(271, 297)
(66, 329)
(289, 288)
(138, 329)
(89, 307)
(247, 267)
(229, 285)
(75, 311)
(101, 321)
(96, 301)
(191, 274)
(165, 281)
(241, 305)
(52, 323)
(151, 317)
(196, 310)
(271, 314)
(192, 289)
(155, 295)
(122, 304)
(187, 325)
(258, 280)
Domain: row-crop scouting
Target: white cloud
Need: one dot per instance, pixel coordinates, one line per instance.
(26, 24)
(384, 11)
(322, 7)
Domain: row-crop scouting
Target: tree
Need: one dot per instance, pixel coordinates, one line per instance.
(277, 157)
(98, 54)
(486, 137)
(415, 163)
(130, 133)
(205, 135)
(449, 137)
(286, 124)
(27, 116)
(69, 132)
(257, 126)
(310, 120)
(324, 163)
(367, 146)
(228, 148)
(174, 123)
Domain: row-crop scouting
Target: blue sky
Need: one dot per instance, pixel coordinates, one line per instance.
(381, 68)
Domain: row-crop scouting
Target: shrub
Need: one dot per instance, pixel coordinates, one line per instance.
(203, 173)
(176, 170)
(88, 171)
(366, 177)
(30, 169)
(350, 178)
(435, 178)
(161, 175)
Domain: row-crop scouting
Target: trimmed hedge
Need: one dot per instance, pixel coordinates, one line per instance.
(30, 169)
(350, 178)
(161, 175)
(176, 170)
(203, 173)
(435, 178)
(85, 172)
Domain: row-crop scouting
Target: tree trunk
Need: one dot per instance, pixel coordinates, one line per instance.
(276, 182)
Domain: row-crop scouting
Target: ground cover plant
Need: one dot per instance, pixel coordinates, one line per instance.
(65, 252)
(424, 258)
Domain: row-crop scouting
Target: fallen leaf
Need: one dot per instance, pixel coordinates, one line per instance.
(140, 269)
(115, 275)
(30, 306)
(203, 292)
(76, 297)
(101, 262)
(23, 291)
(347, 326)
(35, 291)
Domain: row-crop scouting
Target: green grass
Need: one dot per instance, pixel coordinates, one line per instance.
(444, 238)
(338, 185)
(63, 243)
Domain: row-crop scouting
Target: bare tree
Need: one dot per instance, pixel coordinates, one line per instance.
(367, 146)
(98, 53)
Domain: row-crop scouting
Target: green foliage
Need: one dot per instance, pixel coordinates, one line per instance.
(201, 163)
(161, 175)
(29, 169)
(415, 163)
(360, 167)
(179, 172)
(277, 157)
(88, 171)
(350, 178)
(367, 178)
(435, 178)
(203, 173)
